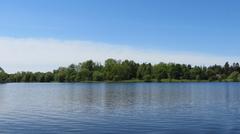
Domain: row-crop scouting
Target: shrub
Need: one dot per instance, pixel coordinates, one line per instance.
(147, 78)
(98, 76)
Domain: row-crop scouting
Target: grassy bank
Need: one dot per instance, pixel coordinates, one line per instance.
(163, 80)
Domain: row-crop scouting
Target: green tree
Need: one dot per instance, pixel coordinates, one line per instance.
(175, 71)
(85, 75)
(234, 76)
(3, 76)
(48, 77)
(143, 70)
(160, 71)
(108, 69)
(147, 78)
(98, 76)
(226, 68)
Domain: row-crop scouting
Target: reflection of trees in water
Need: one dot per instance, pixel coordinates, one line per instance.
(121, 96)
(106, 98)
(113, 96)
(132, 96)
(2, 94)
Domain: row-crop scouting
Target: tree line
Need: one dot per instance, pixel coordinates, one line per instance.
(117, 70)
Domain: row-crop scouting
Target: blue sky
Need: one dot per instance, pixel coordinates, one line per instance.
(203, 27)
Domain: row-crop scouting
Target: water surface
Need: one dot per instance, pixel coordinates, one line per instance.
(120, 108)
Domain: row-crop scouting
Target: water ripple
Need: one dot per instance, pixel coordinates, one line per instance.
(120, 108)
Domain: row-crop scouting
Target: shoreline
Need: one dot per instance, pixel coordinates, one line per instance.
(139, 81)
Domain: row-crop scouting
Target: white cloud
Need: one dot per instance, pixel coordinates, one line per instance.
(33, 54)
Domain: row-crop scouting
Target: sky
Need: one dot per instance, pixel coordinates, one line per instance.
(43, 35)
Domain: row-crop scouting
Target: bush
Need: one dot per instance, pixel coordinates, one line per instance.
(116, 78)
(147, 78)
(98, 76)
(234, 76)
(3, 77)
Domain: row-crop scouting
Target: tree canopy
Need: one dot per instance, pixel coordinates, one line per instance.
(117, 70)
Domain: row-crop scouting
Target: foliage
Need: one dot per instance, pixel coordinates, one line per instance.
(128, 70)
(98, 76)
(234, 76)
(147, 78)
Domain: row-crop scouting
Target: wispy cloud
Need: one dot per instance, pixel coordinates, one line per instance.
(33, 54)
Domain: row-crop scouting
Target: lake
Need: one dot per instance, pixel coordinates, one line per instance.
(120, 108)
